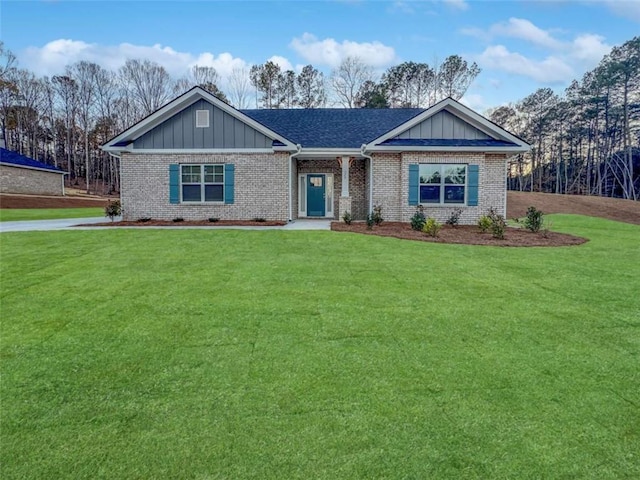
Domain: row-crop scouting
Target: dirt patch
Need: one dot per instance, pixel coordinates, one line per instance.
(33, 201)
(611, 208)
(187, 223)
(464, 234)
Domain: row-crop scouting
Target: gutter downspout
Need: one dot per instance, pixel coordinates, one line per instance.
(297, 152)
(363, 149)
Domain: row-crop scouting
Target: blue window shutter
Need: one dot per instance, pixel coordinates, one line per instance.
(228, 182)
(472, 185)
(414, 187)
(174, 183)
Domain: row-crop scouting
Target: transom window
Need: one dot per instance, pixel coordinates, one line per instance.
(442, 183)
(202, 183)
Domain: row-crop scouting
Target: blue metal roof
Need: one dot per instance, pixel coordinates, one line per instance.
(14, 158)
(442, 142)
(332, 127)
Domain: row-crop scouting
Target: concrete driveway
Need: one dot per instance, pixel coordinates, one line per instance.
(70, 223)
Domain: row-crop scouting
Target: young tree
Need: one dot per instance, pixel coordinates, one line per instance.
(349, 78)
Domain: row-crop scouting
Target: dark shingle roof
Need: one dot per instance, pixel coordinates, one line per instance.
(441, 142)
(332, 127)
(14, 158)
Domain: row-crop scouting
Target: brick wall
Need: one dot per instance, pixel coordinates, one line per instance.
(28, 181)
(393, 194)
(260, 189)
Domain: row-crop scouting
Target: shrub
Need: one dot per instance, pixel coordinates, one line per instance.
(431, 227)
(347, 218)
(259, 220)
(370, 221)
(214, 219)
(498, 224)
(534, 220)
(484, 223)
(418, 219)
(178, 220)
(454, 218)
(143, 219)
(113, 209)
(377, 214)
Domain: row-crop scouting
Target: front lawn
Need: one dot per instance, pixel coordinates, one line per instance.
(14, 214)
(275, 354)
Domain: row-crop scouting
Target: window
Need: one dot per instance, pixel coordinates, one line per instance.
(202, 118)
(442, 184)
(202, 183)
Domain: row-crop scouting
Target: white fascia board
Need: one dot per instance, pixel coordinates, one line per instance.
(180, 103)
(328, 152)
(461, 111)
(6, 164)
(514, 150)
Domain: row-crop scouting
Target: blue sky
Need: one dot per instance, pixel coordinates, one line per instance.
(520, 45)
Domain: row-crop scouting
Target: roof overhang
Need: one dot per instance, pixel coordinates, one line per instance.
(48, 170)
(328, 152)
(461, 111)
(123, 141)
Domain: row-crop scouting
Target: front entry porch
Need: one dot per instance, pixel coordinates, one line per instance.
(327, 188)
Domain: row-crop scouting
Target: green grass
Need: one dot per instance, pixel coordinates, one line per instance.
(14, 214)
(269, 354)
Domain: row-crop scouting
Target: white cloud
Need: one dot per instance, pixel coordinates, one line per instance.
(474, 101)
(329, 52)
(457, 4)
(282, 62)
(563, 60)
(550, 70)
(52, 58)
(625, 8)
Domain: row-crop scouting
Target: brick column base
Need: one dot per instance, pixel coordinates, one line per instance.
(344, 206)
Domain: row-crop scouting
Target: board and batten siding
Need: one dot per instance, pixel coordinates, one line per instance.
(443, 125)
(224, 131)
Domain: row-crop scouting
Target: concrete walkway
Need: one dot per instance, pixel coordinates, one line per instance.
(69, 224)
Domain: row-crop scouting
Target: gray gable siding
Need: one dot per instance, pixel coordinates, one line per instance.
(444, 125)
(224, 131)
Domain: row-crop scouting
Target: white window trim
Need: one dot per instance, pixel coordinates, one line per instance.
(202, 118)
(302, 193)
(442, 185)
(202, 183)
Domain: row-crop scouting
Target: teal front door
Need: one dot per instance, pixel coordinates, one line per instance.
(316, 195)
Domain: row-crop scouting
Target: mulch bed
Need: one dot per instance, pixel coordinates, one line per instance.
(463, 234)
(186, 223)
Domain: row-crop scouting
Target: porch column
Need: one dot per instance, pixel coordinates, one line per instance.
(345, 199)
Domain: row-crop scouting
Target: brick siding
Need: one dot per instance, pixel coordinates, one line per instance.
(29, 181)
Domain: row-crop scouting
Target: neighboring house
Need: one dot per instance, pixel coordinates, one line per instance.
(20, 174)
(198, 157)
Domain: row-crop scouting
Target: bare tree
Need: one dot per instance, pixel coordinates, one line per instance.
(239, 87)
(148, 83)
(348, 79)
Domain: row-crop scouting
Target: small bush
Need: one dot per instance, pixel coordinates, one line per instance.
(431, 227)
(214, 219)
(370, 221)
(259, 220)
(498, 224)
(347, 218)
(534, 220)
(113, 209)
(377, 214)
(178, 220)
(484, 223)
(454, 218)
(418, 219)
(143, 219)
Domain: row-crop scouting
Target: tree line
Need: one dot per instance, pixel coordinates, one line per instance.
(584, 140)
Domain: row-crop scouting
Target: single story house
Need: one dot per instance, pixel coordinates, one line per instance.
(21, 174)
(198, 157)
